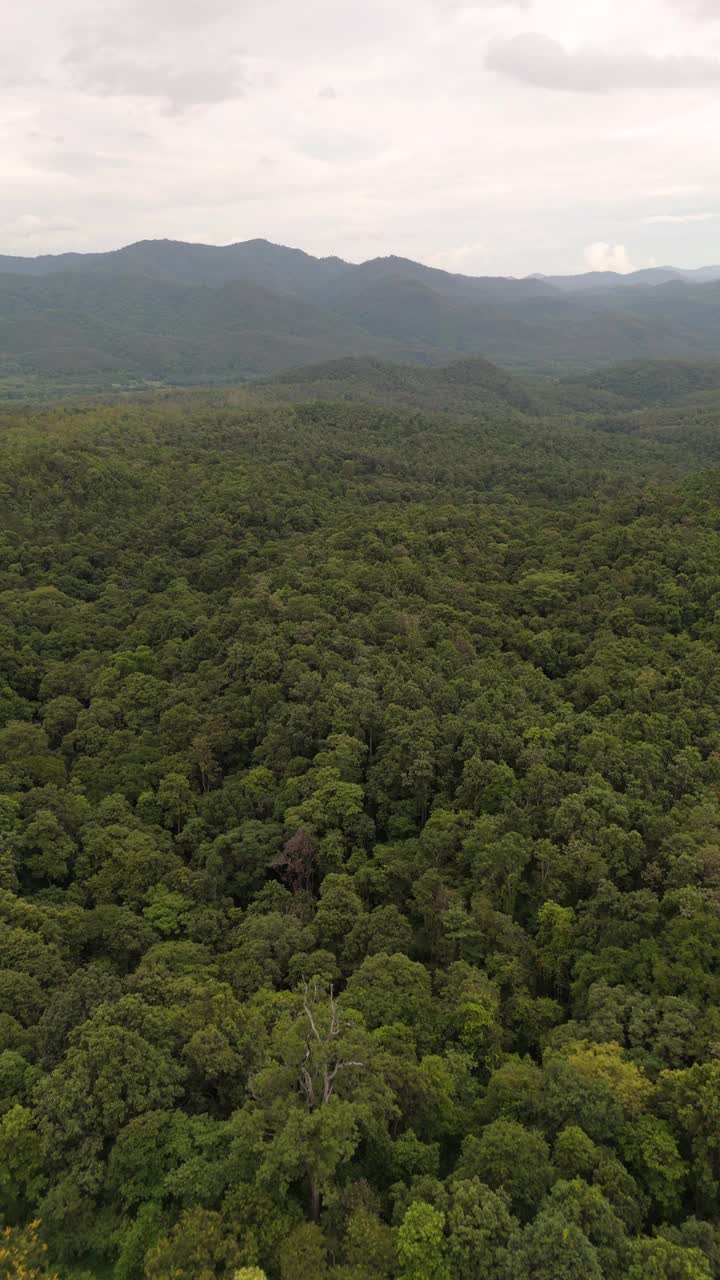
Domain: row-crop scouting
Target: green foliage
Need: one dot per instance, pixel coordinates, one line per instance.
(660, 1260)
(421, 1249)
(369, 1246)
(480, 1229)
(587, 1208)
(304, 1254)
(512, 1159)
(23, 1255)
(198, 1248)
(551, 1248)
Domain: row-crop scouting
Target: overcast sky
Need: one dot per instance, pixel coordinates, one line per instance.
(485, 136)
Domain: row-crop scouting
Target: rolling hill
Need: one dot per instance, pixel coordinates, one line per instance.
(469, 386)
(651, 382)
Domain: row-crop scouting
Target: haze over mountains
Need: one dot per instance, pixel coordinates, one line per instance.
(168, 311)
(597, 280)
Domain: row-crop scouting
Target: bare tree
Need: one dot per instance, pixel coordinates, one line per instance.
(297, 863)
(322, 1065)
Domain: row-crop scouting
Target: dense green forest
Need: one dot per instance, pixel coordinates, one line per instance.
(359, 843)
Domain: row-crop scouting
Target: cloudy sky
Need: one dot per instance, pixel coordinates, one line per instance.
(485, 136)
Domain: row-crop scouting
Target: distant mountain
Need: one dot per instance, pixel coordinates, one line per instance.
(168, 311)
(271, 265)
(649, 276)
(90, 326)
(176, 262)
(292, 270)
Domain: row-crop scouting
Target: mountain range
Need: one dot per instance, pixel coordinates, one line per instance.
(168, 311)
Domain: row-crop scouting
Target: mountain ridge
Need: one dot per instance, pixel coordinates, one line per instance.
(49, 263)
(191, 313)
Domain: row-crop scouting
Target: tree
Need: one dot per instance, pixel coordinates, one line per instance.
(421, 1250)
(474, 1012)
(296, 865)
(340, 908)
(25, 757)
(510, 1158)
(23, 1255)
(650, 1150)
(319, 1091)
(608, 1062)
(304, 1254)
(551, 1248)
(556, 929)
(199, 1247)
(388, 989)
(176, 801)
(369, 1246)
(575, 1155)
(691, 1102)
(480, 1228)
(586, 1207)
(109, 1075)
(237, 862)
(22, 1175)
(141, 1236)
(44, 850)
(659, 1259)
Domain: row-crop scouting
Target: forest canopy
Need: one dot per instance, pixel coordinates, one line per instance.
(359, 844)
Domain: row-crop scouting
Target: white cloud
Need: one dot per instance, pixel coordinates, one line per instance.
(537, 59)
(707, 9)
(129, 22)
(608, 257)
(174, 51)
(688, 189)
(679, 218)
(459, 5)
(466, 259)
(29, 226)
(180, 88)
(204, 119)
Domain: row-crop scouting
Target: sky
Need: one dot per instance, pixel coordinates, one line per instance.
(482, 136)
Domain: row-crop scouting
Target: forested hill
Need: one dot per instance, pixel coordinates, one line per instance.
(359, 844)
(474, 386)
(643, 383)
(167, 312)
